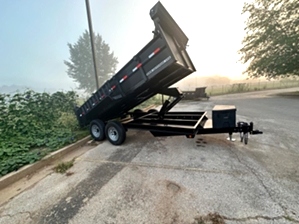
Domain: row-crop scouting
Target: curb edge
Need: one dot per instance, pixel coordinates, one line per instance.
(12, 177)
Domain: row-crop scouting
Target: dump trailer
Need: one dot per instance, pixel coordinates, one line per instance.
(157, 66)
(198, 94)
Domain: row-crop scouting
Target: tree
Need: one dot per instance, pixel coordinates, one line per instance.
(80, 64)
(271, 44)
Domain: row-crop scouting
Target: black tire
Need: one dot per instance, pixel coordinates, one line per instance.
(115, 132)
(138, 113)
(153, 111)
(97, 130)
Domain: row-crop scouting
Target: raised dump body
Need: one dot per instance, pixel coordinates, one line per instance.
(160, 64)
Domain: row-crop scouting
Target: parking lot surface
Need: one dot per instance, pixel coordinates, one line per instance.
(207, 179)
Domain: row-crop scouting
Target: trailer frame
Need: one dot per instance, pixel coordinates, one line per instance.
(164, 122)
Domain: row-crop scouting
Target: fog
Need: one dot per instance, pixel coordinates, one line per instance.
(35, 34)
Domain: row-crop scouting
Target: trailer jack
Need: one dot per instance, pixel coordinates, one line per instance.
(245, 129)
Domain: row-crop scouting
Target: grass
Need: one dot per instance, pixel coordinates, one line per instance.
(153, 101)
(289, 94)
(79, 134)
(248, 87)
(63, 166)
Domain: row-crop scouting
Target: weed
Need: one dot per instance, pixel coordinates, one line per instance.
(64, 166)
(211, 218)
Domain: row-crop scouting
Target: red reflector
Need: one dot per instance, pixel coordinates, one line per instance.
(139, 65)
(157, 50)
(113, 87)
(125, 77)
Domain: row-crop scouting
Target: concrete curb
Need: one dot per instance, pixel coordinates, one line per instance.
(31, 168)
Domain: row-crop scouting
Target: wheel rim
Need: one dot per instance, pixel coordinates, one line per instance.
(95, 130)
(113, 134)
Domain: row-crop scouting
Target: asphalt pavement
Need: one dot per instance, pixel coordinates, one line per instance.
(207, 179)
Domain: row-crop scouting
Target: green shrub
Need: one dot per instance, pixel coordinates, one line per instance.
(33, 124)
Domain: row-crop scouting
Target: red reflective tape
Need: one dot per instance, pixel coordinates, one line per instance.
(154, 52)
(113, 87)
(138, 66)
(123, 79)
(157, 50)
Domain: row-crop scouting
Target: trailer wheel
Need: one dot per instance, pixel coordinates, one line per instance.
(138, 113)
(97, 130)
(115, 132)
(152, 111)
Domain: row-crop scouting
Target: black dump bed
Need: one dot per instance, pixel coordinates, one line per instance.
(161, 63)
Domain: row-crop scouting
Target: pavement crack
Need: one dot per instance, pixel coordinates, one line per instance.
(6, 215)
(217, 218)
(262, 184)
(18, 213)
(171, 167)
(260, 217)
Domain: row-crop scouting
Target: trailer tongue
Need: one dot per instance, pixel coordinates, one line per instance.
(160, 64)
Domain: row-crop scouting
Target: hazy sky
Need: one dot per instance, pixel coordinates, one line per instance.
(34, 35)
